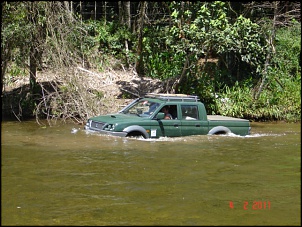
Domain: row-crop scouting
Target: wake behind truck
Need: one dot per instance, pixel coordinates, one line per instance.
(143, 117)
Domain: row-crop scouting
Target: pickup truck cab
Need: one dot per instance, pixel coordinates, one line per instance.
(143, 118)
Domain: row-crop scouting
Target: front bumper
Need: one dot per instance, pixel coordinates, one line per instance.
(105, 132)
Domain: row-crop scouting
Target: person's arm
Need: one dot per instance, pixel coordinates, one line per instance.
(168, 116)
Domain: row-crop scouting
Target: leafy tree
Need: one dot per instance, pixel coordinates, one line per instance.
(283, 14)
(39, 35)
(44, 32)
(202, 48)
(201, 35)
(280, 98)
(14, 33)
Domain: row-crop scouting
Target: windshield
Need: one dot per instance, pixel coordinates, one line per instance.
(142, 108)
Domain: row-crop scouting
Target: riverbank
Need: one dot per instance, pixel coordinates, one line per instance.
(77, 94)
(112, 90)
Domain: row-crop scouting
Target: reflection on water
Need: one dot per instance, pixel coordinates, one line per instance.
(63, 175)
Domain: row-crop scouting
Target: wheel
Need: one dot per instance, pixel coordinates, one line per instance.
(136, 135)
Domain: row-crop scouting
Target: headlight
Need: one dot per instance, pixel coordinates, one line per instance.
(109, 127)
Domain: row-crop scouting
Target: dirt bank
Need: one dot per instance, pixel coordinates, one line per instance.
(117, 87)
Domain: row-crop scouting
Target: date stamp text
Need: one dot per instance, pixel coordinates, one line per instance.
(255, 205)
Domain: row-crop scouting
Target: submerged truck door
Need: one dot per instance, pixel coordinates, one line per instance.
(191, 123)
(167, 128)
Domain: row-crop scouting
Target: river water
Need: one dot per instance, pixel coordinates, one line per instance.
(62, 175)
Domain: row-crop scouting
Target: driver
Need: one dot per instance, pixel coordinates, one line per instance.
(168, 116)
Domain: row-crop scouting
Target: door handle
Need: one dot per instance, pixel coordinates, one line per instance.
(197, 125)
(175, 125)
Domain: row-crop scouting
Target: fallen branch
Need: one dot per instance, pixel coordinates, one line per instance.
(85, 70)
(129, 92)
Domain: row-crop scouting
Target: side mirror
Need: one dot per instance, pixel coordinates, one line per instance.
(160, 116)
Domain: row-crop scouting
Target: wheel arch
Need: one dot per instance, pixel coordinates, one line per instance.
(136, 129)
(219, 130)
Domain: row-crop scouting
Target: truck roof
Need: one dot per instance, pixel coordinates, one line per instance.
(173, 97)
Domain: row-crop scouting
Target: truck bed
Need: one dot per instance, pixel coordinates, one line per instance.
(223, 118)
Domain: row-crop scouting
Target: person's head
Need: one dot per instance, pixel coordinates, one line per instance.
(165, 109)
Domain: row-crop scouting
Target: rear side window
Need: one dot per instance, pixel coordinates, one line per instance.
(189, 112)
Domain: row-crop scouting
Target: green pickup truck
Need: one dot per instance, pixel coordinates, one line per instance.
(144, 118)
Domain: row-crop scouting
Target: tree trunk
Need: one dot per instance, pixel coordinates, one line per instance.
(125, 19)
(270, 41)
(127, 14)
(33, 61)
(38, 37)
(5, 57)
(120, 12)
(180, 79)
(139, 62)
(33, 69)
(124, 13)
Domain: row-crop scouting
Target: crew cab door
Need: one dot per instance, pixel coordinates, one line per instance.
(190, 121)
(167, 128)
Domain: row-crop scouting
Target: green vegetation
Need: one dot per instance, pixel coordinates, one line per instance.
(281, 97)
(242, 60)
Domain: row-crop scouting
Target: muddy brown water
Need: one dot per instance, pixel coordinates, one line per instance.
(62, 175)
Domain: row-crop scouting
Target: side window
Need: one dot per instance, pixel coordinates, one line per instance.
(173, 111)
(189, 112)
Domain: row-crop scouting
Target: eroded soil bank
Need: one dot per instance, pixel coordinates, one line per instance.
(115, 88)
